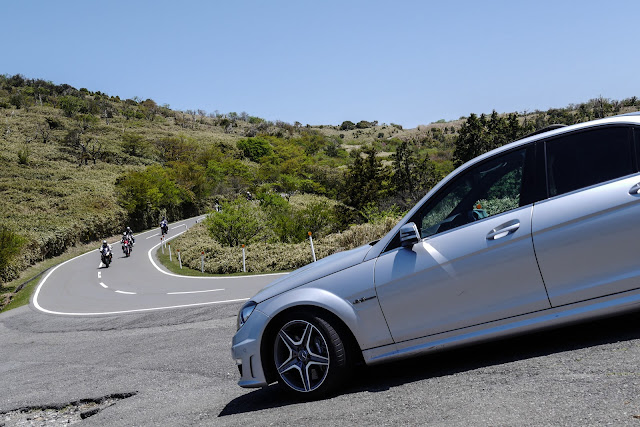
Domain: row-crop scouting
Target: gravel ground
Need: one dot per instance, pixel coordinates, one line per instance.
(176, 367)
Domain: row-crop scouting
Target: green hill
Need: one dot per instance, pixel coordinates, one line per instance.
(77, 166)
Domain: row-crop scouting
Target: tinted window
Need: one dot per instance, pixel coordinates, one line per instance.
(636, 133)
(587, 158)
(488, 189)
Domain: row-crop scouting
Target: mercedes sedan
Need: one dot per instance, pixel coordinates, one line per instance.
(535, 234)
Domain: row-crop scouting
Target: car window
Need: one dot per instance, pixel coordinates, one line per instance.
(583, 159)
(488, 189)
(636, 133)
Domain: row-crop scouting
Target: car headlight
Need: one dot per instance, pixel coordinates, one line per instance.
(245, 312)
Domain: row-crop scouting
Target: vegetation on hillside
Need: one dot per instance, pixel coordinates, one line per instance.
(78, 165)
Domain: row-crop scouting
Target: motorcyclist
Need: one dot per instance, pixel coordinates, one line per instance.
(129, 233)
(164, 225)
(105, 246)
(126, 238)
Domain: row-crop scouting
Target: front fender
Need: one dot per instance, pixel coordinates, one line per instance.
(349, 295)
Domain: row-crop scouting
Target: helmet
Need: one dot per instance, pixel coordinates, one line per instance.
(128, 228)
(104, 242)
(124, 234)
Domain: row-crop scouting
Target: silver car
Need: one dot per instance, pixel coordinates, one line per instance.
(535, 234)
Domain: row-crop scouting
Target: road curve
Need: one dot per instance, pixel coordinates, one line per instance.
(82, 286)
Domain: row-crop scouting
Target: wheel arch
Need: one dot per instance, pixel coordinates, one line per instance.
(354, 352)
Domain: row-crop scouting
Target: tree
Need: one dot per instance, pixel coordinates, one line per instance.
(366, 178)
(347, 125)
(70, 105)
(413, 175)
(238, 222)
(479, 135)
(134, 144)
(176, 148)
(254, 148)
(144, 194)
(471, 141)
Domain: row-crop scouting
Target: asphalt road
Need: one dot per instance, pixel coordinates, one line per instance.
(175, 365)
(83, 286)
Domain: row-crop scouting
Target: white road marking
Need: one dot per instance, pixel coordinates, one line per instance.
(103, 285)
(194, 292)
(155, 235)
(99, 274)
(125, 292)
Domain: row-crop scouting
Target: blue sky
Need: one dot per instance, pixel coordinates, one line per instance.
(323, 62)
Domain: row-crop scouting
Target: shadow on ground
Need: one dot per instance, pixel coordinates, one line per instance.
(384, 377)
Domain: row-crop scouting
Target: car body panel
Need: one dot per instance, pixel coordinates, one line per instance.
(544, 319)
(245, 349)
(460, 278)
(586, 241)
(314, 271)
(337, 294)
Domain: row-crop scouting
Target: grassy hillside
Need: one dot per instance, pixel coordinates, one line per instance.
(77, 166)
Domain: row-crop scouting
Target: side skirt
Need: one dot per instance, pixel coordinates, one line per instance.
(553, 317)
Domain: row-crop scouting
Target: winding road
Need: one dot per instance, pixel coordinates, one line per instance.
(152, 348)
(83, 286)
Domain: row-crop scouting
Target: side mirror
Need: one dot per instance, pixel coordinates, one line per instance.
(409, 235)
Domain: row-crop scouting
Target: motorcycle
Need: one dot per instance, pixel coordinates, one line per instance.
(164, 228)
(106, 256)
(126, 247)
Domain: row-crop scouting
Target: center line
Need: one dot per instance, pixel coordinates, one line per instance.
(103, 285)
(194, 292)
(124, 292)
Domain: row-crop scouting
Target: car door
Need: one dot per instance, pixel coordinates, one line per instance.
(585, 234)
(475, 263)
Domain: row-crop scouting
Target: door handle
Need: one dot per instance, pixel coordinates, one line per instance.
(503, 230)
(635, 189)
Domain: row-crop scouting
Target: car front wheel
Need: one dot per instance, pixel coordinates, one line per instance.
(309, 354)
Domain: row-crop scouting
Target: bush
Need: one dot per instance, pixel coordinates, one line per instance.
(254, 148)
(23, 155)
(238, 222)
(10, 245)
(270, 257)
(347, 125)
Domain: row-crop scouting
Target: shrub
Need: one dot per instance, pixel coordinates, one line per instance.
(347, 125)
(23, 155)
(254, 148)
(10, 245)
(238, 222)
(54, 123)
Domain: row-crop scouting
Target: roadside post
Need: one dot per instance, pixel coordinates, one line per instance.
(169, 243)
(313, 251)
(244, 265)
(179, 259)
(162, 244)
(202, 262)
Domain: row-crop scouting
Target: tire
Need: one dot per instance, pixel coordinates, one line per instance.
(309, 355)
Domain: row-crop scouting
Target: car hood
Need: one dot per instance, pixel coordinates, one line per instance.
(315, 270)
